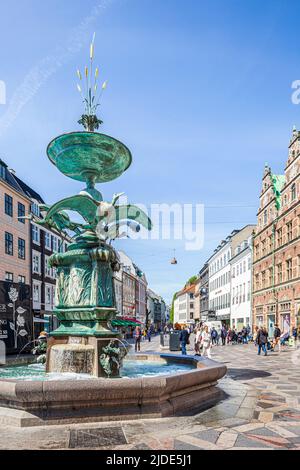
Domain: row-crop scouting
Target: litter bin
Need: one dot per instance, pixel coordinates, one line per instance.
(164, 340)
(174, 341)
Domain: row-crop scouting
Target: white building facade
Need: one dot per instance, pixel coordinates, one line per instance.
(219, 281)
(184, 306)
(241, 273)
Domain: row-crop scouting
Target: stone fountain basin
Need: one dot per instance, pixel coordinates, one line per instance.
(34, 403)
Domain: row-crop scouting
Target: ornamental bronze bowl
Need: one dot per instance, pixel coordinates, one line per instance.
(89, 156)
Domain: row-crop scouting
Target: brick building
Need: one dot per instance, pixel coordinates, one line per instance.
(276, 246)
(14, 232)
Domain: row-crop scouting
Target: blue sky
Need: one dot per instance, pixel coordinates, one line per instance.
(200, 91)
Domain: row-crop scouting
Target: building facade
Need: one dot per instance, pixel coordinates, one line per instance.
(276, 246)
(219, 280)
(204, 293)
(184, 306)
(44, 242)
(241, 273)
(220, 274)
(14, 230)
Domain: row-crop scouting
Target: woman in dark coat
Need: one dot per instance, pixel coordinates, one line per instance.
(262, 339)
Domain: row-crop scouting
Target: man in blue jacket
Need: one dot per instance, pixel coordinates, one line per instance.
(184, 340)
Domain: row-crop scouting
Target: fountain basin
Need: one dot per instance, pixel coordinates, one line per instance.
(89, 155)
(34, 403)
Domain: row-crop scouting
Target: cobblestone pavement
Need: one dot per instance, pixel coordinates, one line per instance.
(261, 411)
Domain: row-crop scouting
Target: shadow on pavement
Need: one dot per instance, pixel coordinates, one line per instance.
(246, 374)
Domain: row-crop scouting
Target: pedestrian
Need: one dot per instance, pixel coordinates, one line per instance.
(137, 338)
(277, 334)
(149, 334)
(223, 335)
(244, 335)
(184, 340)
(262, 339)
(198, 342)
(206, 342)
(214, 336)
(255, 333)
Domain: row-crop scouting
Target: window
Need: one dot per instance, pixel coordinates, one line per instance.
(263, 247)
(256, 281)
(249, 291)
(2, 171)
(249, 262)
(289, 227)
(36, 292)
(48, 240)
(35, 209)
(36, 263)
(48, 295)
(21, 248)
(270, 277)
(279, 237)
(263, 279)
(54, 243)
(293, 192)
(244, 266)
(279, 272)
(35, 234)
(9, 277)
(289, 269)
(8, 205)
(265, 216)
(48, 270)
(9, 244)
(21, 279)
(21, 212)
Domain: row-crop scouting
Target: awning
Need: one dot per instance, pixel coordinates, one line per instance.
(120, 322)
(40, 320)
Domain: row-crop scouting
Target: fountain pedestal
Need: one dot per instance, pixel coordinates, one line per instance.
(85, 304)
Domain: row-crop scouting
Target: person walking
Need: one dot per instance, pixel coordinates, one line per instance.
(244, 335)
(214, 336)
(262, 339)
(223, 335)
(206, 342)
(198, 341)
(149, 332)
(137, 338)
(184, 340)
(277, 334)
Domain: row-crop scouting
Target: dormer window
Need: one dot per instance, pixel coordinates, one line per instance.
(2, 171)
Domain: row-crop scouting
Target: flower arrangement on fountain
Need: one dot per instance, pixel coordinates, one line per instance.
(91, 99)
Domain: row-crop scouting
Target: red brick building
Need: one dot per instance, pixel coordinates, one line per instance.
(276, 246)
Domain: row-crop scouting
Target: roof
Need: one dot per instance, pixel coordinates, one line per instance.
(16, 183)
(186, 290)
(29, 191)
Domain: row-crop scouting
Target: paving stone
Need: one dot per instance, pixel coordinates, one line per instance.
(210, 435)
(244, 441)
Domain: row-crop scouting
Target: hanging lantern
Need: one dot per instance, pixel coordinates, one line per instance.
(174, 260)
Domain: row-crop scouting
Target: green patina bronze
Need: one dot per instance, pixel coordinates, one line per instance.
(85, 299)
